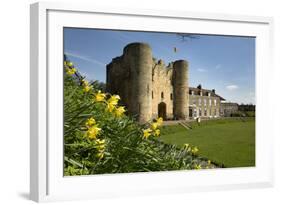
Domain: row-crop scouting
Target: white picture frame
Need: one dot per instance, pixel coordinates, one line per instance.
(46, 142)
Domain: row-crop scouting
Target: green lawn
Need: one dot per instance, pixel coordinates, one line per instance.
(228, 142)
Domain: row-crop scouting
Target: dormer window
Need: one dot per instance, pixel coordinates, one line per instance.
(209, 94)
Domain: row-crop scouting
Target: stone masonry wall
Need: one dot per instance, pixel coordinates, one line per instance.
(148, 88)
(162, 88)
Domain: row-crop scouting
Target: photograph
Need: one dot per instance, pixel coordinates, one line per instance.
(148, 101)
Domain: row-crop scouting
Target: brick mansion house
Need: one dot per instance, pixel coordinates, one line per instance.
(149, 89)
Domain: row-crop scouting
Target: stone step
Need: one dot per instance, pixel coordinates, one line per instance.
(185, 125)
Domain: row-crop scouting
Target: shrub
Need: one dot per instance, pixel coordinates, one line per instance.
(237, 114)
(250, 113)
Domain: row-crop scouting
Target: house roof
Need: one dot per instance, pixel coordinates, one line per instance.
(205, 92)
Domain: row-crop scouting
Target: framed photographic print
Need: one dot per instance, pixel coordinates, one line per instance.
(127, 102)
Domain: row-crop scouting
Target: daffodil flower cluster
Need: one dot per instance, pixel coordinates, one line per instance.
(100, 146)
(207, 165)
(197, 166)
(153, 129)
(111, 103)
(92, 129)
(194, 150)
(99, 97)
(191, 149)
(119, 111)
(86, 86)
(112, 106)
(70, 70)
(146, 133)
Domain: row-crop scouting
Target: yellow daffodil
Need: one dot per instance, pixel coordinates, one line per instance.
(110, 107)
(84, 82)
(197, 166)
(194, 150)
(69, 64)
(100, 145)
(209, 162)
(99, 96)
(70, 71)
(157, 133)
(186, 145)
(154, 125)
(147, 133)
(87, 88)
(119, 111)
(93, 131)
(159, 121)
(100, 155)
(98, 141)
(91, 121)
(113, 100)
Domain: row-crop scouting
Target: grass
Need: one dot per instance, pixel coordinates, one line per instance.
(229, 142)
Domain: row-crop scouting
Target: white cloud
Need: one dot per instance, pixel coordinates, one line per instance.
(85, 58)
(202, 70)
(232, 87)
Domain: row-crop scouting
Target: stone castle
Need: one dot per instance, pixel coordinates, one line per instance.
(150, 89)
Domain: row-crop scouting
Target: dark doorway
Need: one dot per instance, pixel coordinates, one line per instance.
(162, 110)
(190, 112)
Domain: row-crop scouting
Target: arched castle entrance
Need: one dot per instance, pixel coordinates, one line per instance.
(162, 110)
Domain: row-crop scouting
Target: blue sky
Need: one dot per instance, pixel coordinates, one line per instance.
(223, 63)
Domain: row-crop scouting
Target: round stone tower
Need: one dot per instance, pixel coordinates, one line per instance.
(138, 58)
(180, 82)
